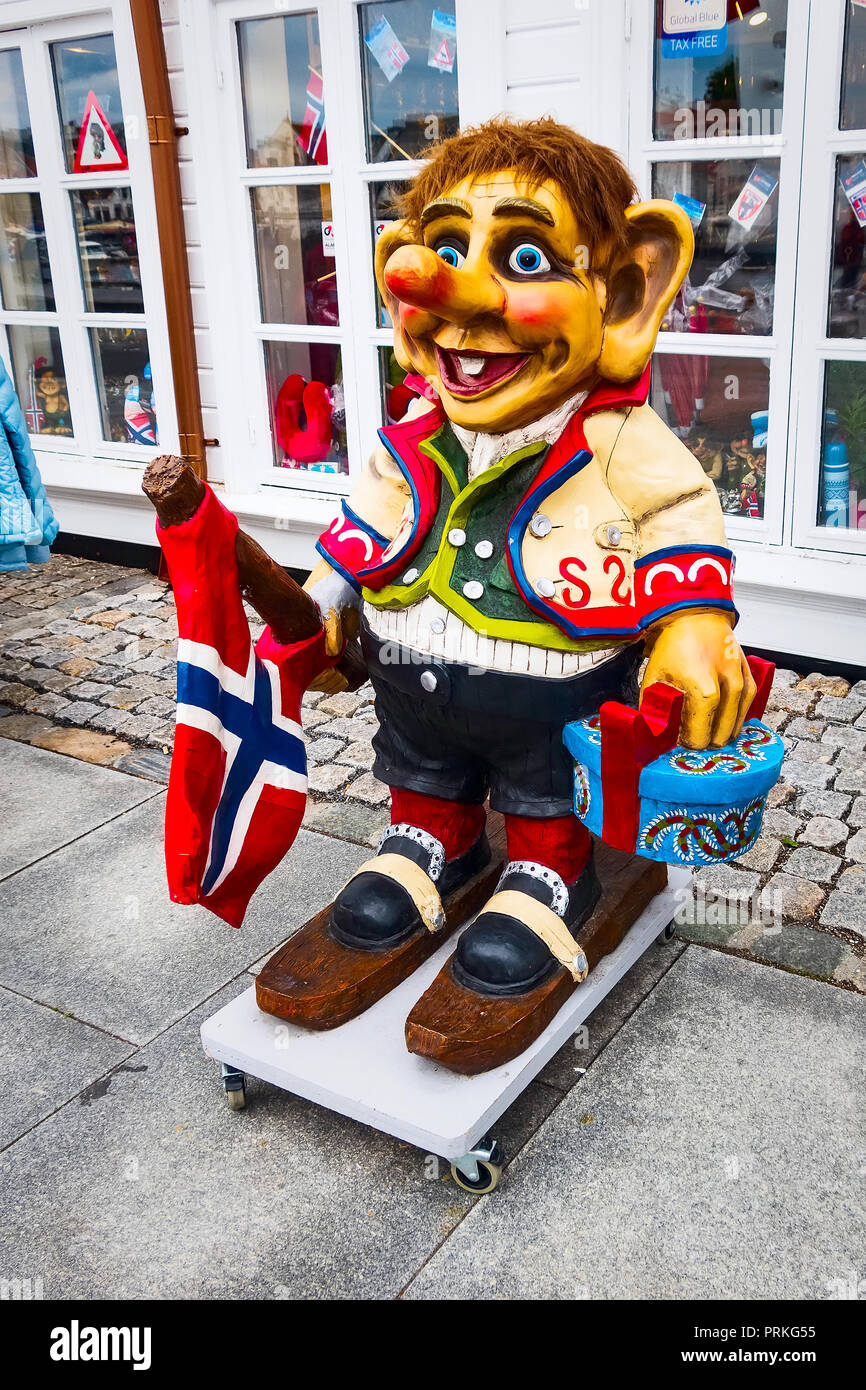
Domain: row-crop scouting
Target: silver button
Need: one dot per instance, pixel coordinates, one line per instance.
(614, 535)
(472, 589)
(457, 537)
(541, 525)
(437, 624)
(428, 681)
(545, 588)
(410, 576)
(484, 549)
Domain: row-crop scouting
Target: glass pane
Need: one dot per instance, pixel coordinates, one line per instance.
(121, 361)
(40, 378)
(719, 69)
(718, 407)
(107, 250)
(847, 310)
(842, 484)
(409, 70)
(852, 113)
(25, 275)
(733, 204)
(16, 142)
(307, 406)
(88, 98)
(396, 398)
(281, 81)
(383, 212)
(295, 254)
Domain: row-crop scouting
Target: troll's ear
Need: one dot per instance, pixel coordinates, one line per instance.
(641, 284)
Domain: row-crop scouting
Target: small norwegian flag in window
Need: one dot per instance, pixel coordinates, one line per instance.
(313, 137)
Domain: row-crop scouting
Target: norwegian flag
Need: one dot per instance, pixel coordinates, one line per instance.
(238, 782)
(313, 137)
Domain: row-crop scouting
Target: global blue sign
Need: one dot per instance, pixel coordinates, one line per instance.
(694, 28)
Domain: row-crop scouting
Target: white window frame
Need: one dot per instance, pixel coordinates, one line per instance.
(644, 151)
(32, 28)
(813, 348)
(245, 429)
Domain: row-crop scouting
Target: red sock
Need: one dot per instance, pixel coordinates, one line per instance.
(456, 824)
(562, 844)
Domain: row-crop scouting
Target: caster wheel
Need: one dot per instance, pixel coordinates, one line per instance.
(669, 932)
(488, 1177)
(234, 1086)
(479, 1170)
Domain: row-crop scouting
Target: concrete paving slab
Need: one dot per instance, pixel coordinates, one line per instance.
(49, 801)
(45, 1058)
(714, 1150)
(91, 931)
(152, 1188)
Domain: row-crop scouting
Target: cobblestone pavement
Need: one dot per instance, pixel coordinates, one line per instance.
(87, 669)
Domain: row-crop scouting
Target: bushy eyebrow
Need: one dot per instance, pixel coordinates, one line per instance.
(527, 207)
(445, 207)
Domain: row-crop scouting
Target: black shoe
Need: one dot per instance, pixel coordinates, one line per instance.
(499, 954)
(374, 912)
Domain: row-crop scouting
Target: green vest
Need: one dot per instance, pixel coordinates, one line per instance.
(479, 510)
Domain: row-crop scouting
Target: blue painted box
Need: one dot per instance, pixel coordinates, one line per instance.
(694, 807)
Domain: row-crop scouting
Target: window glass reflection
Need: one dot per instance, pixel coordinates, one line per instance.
(17, 160)
(121, 359)
(25, 275)
(283, 91)
(726, 80)
(733, 205)
(88, 100)
(107, 250)
(409, 56)
(295, 252)
(852, 113)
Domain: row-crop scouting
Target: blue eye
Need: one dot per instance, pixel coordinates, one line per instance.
(451, 255)
(526, 259)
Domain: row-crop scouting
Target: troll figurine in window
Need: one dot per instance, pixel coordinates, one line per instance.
(512, 551)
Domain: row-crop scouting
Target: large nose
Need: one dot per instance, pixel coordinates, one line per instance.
(417, 276)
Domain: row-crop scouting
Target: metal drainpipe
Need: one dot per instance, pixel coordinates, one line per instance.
(162, 136)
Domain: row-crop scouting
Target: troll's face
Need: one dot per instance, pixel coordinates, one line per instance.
(499, 303)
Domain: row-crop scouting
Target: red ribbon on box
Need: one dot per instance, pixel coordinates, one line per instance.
(632, 738)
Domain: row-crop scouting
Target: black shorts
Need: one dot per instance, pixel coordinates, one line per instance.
(478, 732)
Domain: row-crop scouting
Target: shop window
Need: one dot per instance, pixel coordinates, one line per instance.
(82, 365)
(295, 254)
(88, 98)
(396, 398)
(719, 69)
(108, 250)
(25, 275)
(283, 91)
(40, 378)
(409, 75)
(852, 111)
(719, 408)
(307, 406)
(733, 205)
(842, 479)
(17, 160)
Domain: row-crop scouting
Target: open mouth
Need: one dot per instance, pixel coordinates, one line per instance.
(468, 374)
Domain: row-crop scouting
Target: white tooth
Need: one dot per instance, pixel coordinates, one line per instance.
(471, 365)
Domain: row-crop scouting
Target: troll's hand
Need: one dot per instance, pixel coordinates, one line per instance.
(337, 603)
(698, 653)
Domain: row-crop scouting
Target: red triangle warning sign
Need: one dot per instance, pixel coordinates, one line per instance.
(442, 58)
(99, 149)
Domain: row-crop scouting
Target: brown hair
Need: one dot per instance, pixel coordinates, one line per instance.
(595, 181)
